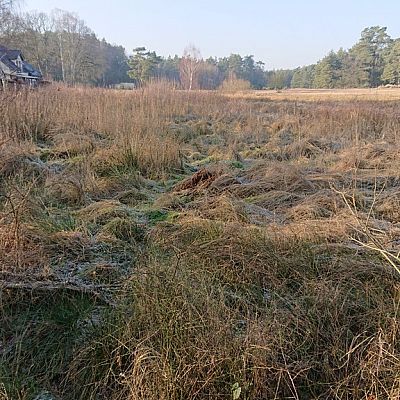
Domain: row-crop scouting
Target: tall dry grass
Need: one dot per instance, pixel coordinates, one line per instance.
(140, 120)
(261, 275)
(134, 122)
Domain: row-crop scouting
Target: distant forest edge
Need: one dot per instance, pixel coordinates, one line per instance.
(65, 49)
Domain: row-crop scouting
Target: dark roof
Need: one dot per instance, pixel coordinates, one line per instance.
(7, 57)
(7, 62)
(29, 69)
(13, 54)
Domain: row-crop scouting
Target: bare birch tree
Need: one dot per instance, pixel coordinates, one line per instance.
(189, 67)
(71, 32)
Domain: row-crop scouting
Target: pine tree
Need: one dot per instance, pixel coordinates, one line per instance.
(303, 77)
(328, 71)
(368, 55)
(391, 72)
(143, 64)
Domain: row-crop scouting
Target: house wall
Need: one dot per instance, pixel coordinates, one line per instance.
(4, 68)
(12, 71)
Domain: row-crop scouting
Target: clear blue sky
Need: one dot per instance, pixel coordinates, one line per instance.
(282, 33)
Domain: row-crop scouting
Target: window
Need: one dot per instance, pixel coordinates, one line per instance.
(19, 64)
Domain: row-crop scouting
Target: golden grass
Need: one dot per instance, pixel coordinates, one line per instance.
(317, 95)
(161, 244)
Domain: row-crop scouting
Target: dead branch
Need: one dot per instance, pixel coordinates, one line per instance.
(92, 290)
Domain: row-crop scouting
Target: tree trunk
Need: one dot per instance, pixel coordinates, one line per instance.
(62, 59)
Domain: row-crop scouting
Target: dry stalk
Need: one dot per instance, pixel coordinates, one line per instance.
(364, 228)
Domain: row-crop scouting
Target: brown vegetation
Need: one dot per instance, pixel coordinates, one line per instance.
(316, 95)
(164, 244)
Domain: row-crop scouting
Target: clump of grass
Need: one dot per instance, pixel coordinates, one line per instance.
(123, 229)
(172, 201)
(38, 334)
(370, 156)
(133, 197)
(323, 204)
(388, 205)
(222, 208)
(17, 157)
(274, 199)
(102, 212)
(66, 189)
(21, 248)
(265, 177)
(68, 144)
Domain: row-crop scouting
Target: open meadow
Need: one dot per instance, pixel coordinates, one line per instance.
(162, 244)
(355, 94)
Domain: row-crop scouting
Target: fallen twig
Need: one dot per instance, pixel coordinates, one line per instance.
(93, 290)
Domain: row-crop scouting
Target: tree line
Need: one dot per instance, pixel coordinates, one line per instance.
(373, 61)
(191, 71)
(65, 49)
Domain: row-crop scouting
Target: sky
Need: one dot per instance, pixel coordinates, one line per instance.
(281, 33)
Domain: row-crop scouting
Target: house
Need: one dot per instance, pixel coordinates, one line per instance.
(15, 70)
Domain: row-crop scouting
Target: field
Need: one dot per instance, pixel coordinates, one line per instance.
(163, 244)
(375, 94)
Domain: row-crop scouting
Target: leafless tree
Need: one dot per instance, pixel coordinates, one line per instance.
(6, 14)
(71, 32)
(5, 5)
(35, 39)
(189, 67)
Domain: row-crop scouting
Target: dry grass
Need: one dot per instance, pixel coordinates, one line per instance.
(161, 244)
(316, 95)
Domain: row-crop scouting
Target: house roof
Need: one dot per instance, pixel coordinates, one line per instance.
(13, 54)
(29, 69)
(7, 64)
(10, 66)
